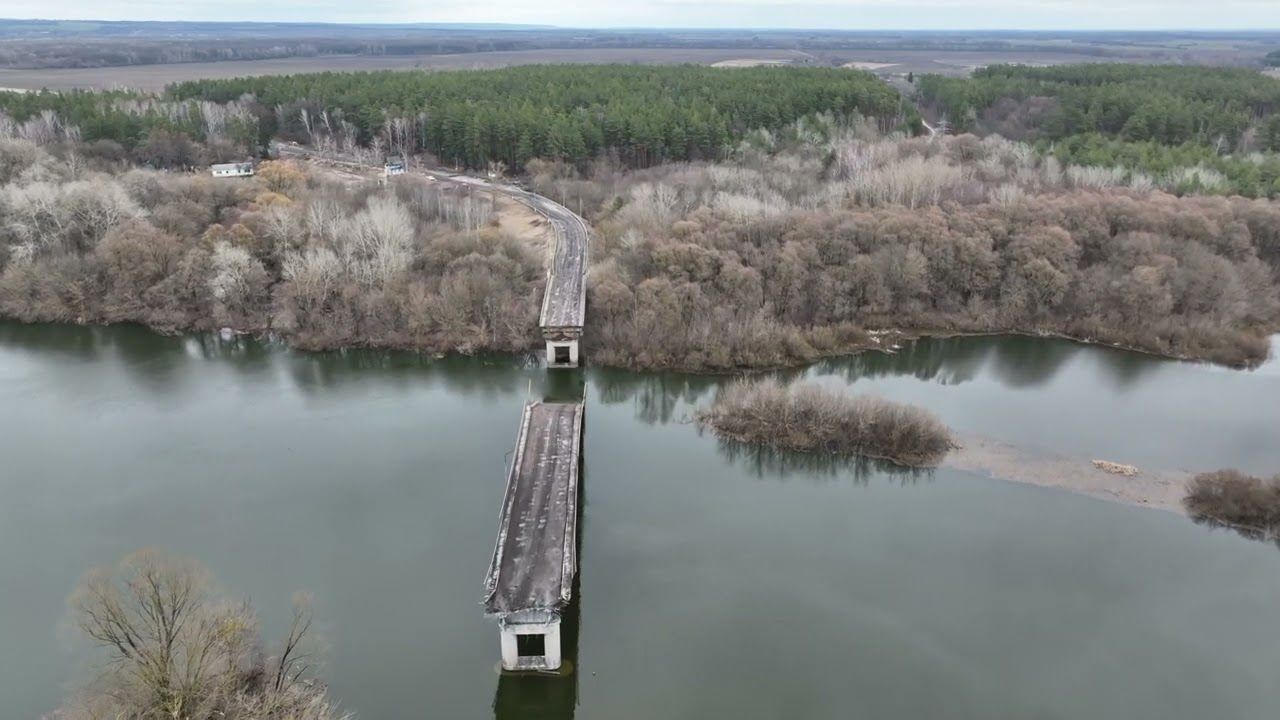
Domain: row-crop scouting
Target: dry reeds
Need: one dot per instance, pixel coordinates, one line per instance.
(1229, 498)
(809, 418)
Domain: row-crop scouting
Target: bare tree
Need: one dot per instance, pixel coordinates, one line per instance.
(176, 649)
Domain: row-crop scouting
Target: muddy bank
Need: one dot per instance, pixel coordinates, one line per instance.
(1154, 488)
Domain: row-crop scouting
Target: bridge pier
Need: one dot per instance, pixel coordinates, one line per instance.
(531, 642)
(563, 347)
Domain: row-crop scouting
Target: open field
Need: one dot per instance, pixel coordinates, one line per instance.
(884, 62)
(155, 77)
(750, 62)
(148, 56)
(956, 62)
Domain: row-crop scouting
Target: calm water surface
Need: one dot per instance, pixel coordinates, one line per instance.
(714, 582)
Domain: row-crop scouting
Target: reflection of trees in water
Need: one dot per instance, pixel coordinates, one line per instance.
(156, 361)
(245, 355)
(1026, 362)
(766, 462)
(949, 361)
(1260, 534)
(74, 341)
(151, 360)
(1017, 361)
(1124, 368)
(484, 375)
(656, 395)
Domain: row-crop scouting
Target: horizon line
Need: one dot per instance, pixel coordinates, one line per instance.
(762, 28)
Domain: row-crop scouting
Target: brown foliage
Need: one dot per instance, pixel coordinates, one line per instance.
(708, 288)
(176, 649)
(328, 265)
(809, 418)
(1229, 498)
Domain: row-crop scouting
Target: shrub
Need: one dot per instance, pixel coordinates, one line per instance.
(1229, 498)
(808, 418)
(175, 648)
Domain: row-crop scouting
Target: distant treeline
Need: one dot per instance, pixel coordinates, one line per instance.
(637, 115)
(1168, 104)
(1148, 118)
(72, 44)
(640, 115)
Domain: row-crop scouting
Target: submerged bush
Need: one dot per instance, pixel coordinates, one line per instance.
(809, 418)
(1229, 498)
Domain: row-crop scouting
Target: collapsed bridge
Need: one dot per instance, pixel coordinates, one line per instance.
(535, 559)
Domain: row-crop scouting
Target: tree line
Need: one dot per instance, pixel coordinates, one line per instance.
(1146, 118)
(1169, 104)
(325, 264)
(640, 115)
(783, 257)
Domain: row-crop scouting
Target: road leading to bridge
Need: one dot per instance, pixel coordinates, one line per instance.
(564, 299)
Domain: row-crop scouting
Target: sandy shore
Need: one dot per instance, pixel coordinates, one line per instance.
(1151, 488)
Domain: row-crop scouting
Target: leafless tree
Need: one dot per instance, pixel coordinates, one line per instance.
(177, 649)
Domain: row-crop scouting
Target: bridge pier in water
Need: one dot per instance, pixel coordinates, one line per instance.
(535, 559)
(563, 347)
(531, 641)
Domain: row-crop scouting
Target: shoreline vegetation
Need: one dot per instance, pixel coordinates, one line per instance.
(742, 239)
(807, 418)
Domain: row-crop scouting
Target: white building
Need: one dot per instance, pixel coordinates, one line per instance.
(244, 169)
(392, 168)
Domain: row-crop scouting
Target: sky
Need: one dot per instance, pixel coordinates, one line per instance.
(825, 14)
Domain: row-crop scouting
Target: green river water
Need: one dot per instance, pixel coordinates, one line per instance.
(714, 583)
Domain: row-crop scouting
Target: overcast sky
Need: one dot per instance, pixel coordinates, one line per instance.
(830, 14)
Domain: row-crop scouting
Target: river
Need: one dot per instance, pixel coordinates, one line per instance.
(714, 582)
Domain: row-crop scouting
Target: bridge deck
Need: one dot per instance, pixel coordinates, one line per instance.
(535, 557)
(564, 301)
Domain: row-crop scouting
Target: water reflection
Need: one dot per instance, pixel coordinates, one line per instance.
(483, 375)
(246, 356)
(529, 696)
(657, 396)
(161, 366)
(764, 462)
(74, 341)
(1016, 361)
(1268, 533)
(564, 385)
(152, 362)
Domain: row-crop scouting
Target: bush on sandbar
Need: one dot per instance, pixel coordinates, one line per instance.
(809, 418)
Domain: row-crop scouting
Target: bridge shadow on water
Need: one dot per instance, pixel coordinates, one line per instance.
(544, 696)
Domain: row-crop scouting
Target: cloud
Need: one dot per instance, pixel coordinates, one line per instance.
(830, 14)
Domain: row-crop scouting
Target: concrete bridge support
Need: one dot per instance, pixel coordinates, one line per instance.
(531, 645)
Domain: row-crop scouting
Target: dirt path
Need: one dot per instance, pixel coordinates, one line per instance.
(521, 221)
(514, 218)
(1153, 488)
